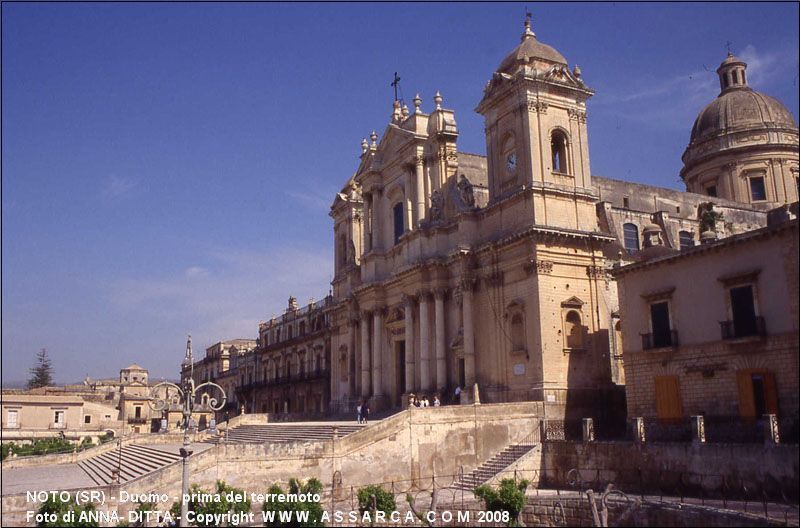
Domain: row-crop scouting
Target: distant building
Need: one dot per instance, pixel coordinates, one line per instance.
(119, 406)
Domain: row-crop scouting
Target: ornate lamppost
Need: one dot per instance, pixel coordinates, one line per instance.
(186, 396)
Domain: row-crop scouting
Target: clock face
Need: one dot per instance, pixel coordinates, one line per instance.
(511, 163)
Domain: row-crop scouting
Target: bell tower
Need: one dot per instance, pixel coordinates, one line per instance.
(534, 110)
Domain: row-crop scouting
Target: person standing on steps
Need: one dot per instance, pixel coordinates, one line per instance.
(358, 412)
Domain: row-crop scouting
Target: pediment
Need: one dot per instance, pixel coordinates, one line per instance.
(572, 302)
(561, 74)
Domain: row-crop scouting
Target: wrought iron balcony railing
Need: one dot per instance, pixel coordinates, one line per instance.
(749, 327)
(660, 340)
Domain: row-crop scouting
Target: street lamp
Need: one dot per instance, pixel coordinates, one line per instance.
(186, 396)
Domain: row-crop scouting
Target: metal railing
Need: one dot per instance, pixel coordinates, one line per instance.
(747, 328)
(660, 340)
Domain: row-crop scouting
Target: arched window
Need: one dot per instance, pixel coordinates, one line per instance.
(289, 332)
(558, 148)
(302, 330)
(277, 335)
(399, 226)
(517, 332)
(573, 330)
(686, 238)
(631, 236)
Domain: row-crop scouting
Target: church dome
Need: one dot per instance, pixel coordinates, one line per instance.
(741, 109)
(738, 107)
(530, 49)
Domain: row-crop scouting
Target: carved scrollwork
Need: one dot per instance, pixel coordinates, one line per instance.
(538, 267)
(576, 115)
(596, 272)
(537, 106)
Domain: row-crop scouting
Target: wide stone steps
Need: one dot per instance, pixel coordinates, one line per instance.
(283, 433)
(492, 467)
(131, 460)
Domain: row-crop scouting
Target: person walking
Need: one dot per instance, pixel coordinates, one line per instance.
(358, 413)
(364, 412)
(457, 395)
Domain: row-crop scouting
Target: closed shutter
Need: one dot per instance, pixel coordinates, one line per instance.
(747, 404)
(770, 393)
(668, 398)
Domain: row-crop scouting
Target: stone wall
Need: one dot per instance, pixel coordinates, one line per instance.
(672, 468)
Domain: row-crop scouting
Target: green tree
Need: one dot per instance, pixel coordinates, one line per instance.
(297, 518)
(213, 507)
(509, 497)
(374, 498)
(42, 372)
(55, 506)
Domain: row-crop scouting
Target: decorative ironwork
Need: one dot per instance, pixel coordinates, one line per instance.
(746, 328)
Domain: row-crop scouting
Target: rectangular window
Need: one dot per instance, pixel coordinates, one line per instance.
(711, 190)
(743, 310)
(668, 398)
(87, 419)
(58, 418)
(659, 319)
(12, 419)
(757, 190)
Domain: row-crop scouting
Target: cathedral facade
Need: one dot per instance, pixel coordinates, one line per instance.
(491, 274)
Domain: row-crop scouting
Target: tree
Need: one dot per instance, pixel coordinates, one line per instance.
(509, 497)
(58, 510)
(296, 516)
(42, 372)
(373, 499)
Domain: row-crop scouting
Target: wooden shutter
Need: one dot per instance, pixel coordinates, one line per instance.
(747, 404)
(668, 398)
(770, 393)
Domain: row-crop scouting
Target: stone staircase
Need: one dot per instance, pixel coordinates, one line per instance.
(132, 460)
(285, 433)
(493, 466)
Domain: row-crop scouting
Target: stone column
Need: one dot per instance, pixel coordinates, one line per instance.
(441, 363)
(351, 360)
(365, 353)
(377, 341)
(469, 332)
(409, 366)
(424, 342)
(419, 188)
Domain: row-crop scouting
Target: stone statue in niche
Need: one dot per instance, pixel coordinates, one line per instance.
(437, 206)
(466, 192)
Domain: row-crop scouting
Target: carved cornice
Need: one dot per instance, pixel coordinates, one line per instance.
(543, 267)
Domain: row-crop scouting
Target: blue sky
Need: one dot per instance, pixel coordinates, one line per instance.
(167, 168)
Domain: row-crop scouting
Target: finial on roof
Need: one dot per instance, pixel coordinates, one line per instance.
(528, 31)
(417, 103)
(437, 100)
(404, 110)
(577, 72)
(374, 138)
(364, 146)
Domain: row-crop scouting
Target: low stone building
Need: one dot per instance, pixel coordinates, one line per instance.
(712, 330)
(27, 417)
